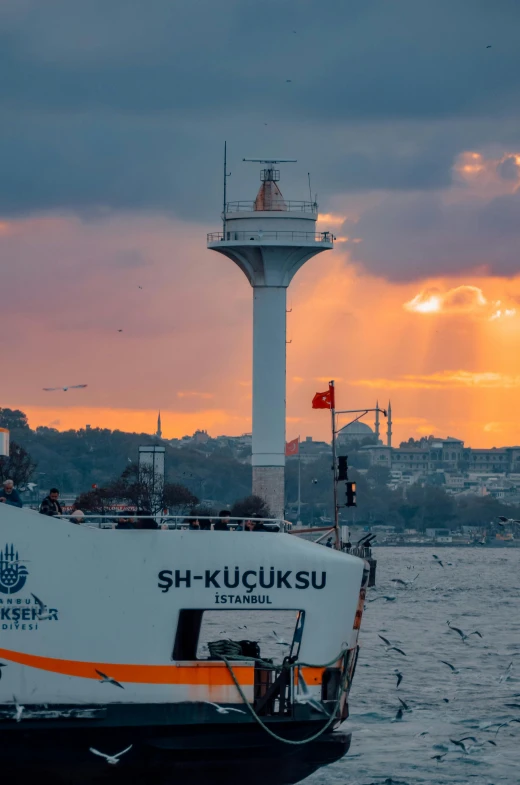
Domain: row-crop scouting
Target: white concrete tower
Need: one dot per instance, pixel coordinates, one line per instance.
(269, 239)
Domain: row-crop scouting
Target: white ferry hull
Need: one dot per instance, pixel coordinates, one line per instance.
(111, 661)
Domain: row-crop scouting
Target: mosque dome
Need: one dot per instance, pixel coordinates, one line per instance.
(356, 429)
(356, 432)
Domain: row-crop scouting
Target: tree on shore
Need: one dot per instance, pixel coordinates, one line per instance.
(18, 467)
(138, 488)
(249, 507)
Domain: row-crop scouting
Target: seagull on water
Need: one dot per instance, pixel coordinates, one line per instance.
(389, 646)
(280, 641)
(387, 597)
(404, 583)
(223, 709)
(112, 759)
(464, 636)
(108, 679)
(399, 716)
(64, 389)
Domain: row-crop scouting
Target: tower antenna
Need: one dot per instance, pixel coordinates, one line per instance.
(310, 190)
(226, 175)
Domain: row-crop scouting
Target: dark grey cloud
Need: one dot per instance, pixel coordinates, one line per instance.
(509, 169)
(125, 104)
(413, 236)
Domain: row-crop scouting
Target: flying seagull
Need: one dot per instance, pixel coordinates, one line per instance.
(437, 560)
(280, 641)
(505, 724)
(113, 759)
(488, 46)
(462, 634)
(41, 608)
(460, 742)
(452, 668)
(306, 697)
(389, 646)
(399, 716)
(64, 389)
(404, 705)
(223, 709)
(505, 675)
(440, 757)
(399, 677)
(119, 331)
(19, 710)
(108, 679)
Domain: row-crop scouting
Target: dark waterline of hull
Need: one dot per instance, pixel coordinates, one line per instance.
(62, 757)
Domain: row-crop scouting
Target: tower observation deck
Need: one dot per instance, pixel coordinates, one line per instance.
(269, 239)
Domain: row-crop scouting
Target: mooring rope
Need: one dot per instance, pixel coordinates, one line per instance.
(332, 718)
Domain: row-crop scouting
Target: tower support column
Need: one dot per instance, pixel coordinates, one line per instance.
(269, 353)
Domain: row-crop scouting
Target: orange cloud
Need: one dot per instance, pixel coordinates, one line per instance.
(465, 299)
(331, 219)
(443, 380)
(174, 424)
(460, 299)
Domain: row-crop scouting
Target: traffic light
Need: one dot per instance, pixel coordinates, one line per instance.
(342, 468)
(351, 494)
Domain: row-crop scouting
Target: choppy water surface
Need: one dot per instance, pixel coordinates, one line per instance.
(475, 590)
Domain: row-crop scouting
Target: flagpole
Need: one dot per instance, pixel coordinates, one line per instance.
(334, 470)
(298, 519)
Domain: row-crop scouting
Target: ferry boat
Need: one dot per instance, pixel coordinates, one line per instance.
(124, 655)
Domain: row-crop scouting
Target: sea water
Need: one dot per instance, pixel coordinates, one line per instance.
(475, 589)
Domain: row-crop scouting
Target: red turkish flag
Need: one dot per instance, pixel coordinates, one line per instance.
(324, 400)
(292, 448)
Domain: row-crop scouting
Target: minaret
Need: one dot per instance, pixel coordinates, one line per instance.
(269, 239)
(389, 430)
(159, 431)
(376, 424)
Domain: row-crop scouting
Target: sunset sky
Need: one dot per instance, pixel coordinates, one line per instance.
(113, 118)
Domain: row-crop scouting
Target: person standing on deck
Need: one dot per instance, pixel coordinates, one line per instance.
(9, 495)
(224, 517)
(50, 505)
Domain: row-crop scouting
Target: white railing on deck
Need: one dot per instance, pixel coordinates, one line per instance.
(110, 520)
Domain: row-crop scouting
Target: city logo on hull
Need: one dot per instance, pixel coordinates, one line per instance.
(19, 613)
(13, 574)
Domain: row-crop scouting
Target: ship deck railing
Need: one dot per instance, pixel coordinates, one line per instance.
(277, 206)
(109, 519)
(360, 551)
(282, 236)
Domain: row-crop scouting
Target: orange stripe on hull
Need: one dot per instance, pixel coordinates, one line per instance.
(214, 674)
